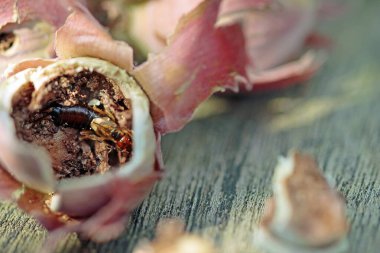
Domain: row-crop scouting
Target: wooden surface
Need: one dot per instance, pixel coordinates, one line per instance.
(219, 168)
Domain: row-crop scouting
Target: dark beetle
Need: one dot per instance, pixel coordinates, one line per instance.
(77, 117)
(104, 128)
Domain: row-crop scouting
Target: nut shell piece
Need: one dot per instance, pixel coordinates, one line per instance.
(102, 202)
(305, 213)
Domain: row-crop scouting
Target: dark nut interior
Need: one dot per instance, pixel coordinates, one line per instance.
(72, 155)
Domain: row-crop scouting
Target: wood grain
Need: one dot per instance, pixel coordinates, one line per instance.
(219, 169)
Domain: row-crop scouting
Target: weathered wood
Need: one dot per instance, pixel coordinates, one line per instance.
(220, 168)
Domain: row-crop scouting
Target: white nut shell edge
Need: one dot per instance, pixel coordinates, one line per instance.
(144, 140)
(289, 217)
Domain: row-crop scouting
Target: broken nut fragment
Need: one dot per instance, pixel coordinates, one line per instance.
(171, 238)
(305, 214)
(83, 120)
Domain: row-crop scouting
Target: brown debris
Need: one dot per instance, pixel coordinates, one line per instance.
(71, 156)
(304, 212)
(171, 238)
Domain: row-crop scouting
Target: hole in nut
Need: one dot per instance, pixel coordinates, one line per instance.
(7, 40)
(81, 138)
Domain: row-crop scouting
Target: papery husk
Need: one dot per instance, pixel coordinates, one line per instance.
(188, 72)
(30, 42)
(33, 23)
(276, 35)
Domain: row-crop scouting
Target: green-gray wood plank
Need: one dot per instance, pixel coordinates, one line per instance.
(219, 169)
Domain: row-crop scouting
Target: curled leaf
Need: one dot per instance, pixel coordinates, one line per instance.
(83, 36)
(153, 22)
(27, 28)
(276, 35)
(186, 72)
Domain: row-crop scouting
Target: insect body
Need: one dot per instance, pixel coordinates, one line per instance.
(108, 130)
(93, 124)
(77, 117)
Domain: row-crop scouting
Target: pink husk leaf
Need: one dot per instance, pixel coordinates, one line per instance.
(82, 35)
(33, 24)
(276, 33)
(198, 60)
(15, 12)
(274, 37)
(6, 12)
(54, 12)
(229, 7)
(153, 22)
(288, 74)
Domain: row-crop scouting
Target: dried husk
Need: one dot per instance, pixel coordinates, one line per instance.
(32, 25)
(276, 34)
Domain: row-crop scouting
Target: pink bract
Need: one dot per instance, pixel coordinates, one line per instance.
(31, 24)
(274, 31)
